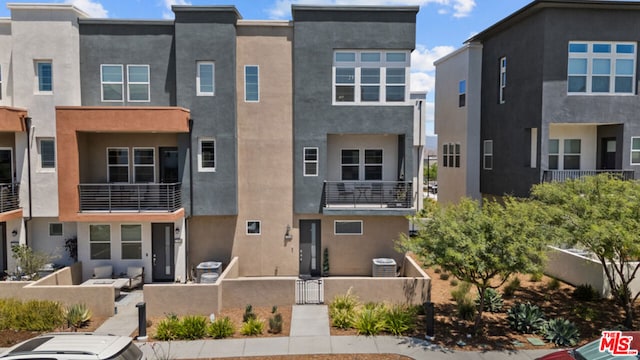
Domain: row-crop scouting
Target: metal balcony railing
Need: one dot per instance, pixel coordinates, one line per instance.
(9, 197)
(130, 197)
(564, 175)
(367, 194)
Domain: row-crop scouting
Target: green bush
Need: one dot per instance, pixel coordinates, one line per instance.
(461, 292)
(275, 324)
(444, 276)
(221, 328)
(536, 276)
(248, 313)
(492, 301)
(511, 287)
(347, 301)
(585, 292)
(9, 313)
(525, 318)
(399, 319)
(586, 312)
(77, 315)
(343, 318)
(193, 327)
(453, 282)
(466, 308)
(369, 321)
(561, 332)
(168, 328)
(252, 327)
(554, 284)
(40, 315)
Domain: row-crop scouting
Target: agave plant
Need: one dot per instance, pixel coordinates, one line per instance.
(492, 301)
(77, 315)
(561, 332)
(525, 318)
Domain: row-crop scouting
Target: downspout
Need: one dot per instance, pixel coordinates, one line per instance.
(186, 223)
(27, 125)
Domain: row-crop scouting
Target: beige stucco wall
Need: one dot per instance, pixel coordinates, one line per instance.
(265, 143)
(210, 239)
(181, 299)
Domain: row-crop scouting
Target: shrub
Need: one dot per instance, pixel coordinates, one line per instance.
(252, 327)
(525, 318)
(554, 284)
(466, 308)
(168, 328)
(492, 301)
(536, 276)
(399, 319)
(369, 321)
(444, 276)
(347, 301)
(40, 315)
(511, 287)
(453, 282)
(437, 270)
(561, 332)
(9, 313)
(77, 315)
(28, 260)
(192, 327)
(343, 318)
(461, 291)
(248, 313)
(586, 312)
(585, 292)
(221, 328)
(275, 324)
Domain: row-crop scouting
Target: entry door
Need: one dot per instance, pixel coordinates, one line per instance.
(3, 248)
(6, 166)
(169, 165)
(310, 248)
(162, 248)
(608, 153)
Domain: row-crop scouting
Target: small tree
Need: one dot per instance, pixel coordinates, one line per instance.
(602, 214)
(482, 245)
(28, 260)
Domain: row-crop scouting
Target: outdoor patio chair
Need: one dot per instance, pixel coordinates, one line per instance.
(342, 191)
(103, 272)
(135, 274)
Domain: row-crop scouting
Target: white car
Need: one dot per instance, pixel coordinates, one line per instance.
(76, 345)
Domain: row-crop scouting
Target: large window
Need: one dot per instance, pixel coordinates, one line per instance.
(144, 165)
(355, 168)
(487, 155)
(251, 83)
(131, 241)
(601, 67)
(118, 165)
(310, 161)
(138, 83)
(451, 155)
(571, 158)
(205, 78)
(503, 80)
(635, 150)
(112, 82)
(100, 242)
(554, 154)
(366, 77)
(47, 151)
(347, 227)
(44, 76)
(350, 164)
(207, 155)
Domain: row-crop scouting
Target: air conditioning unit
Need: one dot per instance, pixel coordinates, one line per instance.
(383, 267)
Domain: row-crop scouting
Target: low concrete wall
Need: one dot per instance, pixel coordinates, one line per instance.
(181, 299)
(262, 291)
(70, 275)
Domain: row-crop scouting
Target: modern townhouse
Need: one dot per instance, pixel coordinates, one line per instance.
(210, 137)
(546, 94)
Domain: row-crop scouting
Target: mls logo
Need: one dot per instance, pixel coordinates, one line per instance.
(616, 343)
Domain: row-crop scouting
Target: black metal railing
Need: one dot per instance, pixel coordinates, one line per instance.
(130, 197)
(564, 175)
(9, 197)
(383, 194)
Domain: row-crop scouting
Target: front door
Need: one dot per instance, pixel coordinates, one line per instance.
(310, 248)
(6, 166)
(608, 153)
(169, 165)
(162, 248)
(3, 249)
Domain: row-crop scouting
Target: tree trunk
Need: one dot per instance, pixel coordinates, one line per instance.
(478, 321)
(628, 315)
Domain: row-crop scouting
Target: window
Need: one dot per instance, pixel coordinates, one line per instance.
(571, 159)
(0, 82)
(205, 78)
(368, 168)
(554, 154)
(503, 79)
(451, 155)
(310, 161)
(373, 164)
(457, 155)
(131, 241)
(44, 76)
(253, 227)
(100, 242)
(112, 82)
(138, 82)
(118, 165)
(370, 77)
(635, 150)
(462, 93)
(347, 227)
(251, 85)
(207, 155)
(55, 229)
(445, 155)
(144, 165)
(350, 164)
(487, 162)
(47, 149)
(601, 68)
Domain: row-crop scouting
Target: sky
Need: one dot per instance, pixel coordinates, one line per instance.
(441, 26)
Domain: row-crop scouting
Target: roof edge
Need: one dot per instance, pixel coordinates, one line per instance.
(353, 8)
(217, 8)
(49, 7)
(95, 21)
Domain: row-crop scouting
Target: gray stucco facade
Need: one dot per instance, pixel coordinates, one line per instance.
(317, 33)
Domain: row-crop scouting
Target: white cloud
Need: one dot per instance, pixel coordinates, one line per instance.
(422, 58)
(422, 81)
(93, 8)
(282, 8)
(167, 13)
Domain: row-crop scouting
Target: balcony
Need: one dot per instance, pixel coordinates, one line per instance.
(9, 197)
(368, 194)
(130, 197)
(564, 175)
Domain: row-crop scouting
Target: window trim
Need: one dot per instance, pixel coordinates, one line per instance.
(38, 84)
(61, 229)
(365, 164)
(119, 165)
(305, 161)
(259, 222)
(550, 154)
(121, 82)
(362, 164)
(634, 151)
(199, 91)
(147, 83)
(590, 55)
(486, 154)
(462, 93)
(153, 165)
(246, 84)
(91, 242)
(123, 242)
(565, 153)
(202, 168)
(41, 167)
(335, 228)
(502, 81)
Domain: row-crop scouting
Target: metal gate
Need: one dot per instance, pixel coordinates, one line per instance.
(309, 292)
